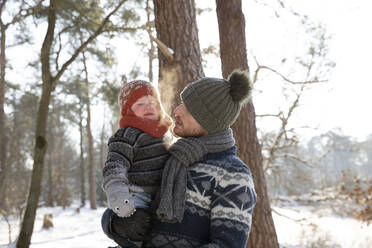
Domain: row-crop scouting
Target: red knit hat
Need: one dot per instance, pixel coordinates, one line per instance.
(132, 91)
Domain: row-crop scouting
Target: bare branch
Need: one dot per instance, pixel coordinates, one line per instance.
(2, 4)
(16, 44)
(296, 158)
(163, 48)
(263, 67)
(268, 115)
(60, 45)
(24, 13)
(85, 44)
(123, 29)
(287, 79)
(296, 220)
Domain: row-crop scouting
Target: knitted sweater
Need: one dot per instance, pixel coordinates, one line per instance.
(220, 197)
(135, 157)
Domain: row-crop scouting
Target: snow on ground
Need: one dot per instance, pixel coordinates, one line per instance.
(297, 227)
(71, 229)
(302, 226)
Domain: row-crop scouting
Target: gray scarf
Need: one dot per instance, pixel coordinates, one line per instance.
(186, 152)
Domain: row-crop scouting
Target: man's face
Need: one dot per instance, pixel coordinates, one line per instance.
(185, 125)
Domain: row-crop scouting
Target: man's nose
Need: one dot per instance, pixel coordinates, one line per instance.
(175, 111)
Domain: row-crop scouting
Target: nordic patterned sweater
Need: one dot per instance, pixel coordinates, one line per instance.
(220, 197)
(135, 156)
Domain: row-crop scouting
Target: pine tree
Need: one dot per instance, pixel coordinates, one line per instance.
(233, 51)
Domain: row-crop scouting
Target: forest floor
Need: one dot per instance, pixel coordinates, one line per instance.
(308, 221)
(321, 219)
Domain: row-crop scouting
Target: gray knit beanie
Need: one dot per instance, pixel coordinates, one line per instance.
(216, 103)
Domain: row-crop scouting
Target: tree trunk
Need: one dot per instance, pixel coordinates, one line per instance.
(37, 171)
(50, 200)
(151, 52)
(233, 51)
(102, 143)
(92, 181)
(176, 28)
(50, 161)
(3, 133)
(82, 162)
(49, 84)
(27, 227)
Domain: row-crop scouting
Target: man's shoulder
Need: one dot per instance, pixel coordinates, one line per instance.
(227, 170)
(227, 160)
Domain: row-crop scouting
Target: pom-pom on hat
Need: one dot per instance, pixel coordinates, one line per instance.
(216, 103)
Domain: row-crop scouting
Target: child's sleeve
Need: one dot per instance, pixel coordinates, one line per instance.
(115, 172)
(119, 157)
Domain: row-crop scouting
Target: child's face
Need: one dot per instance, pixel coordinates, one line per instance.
(146, 108)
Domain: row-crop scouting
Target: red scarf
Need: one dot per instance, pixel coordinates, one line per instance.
(155, 128)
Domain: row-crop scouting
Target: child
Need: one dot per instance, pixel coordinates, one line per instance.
(136, 157)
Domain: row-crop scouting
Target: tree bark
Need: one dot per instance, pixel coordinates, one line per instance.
(92, 181)
(37, 171)
(82, 162)
(24, 11)
(102, 143)
(176, 28)
(50, 158)
(27, 227)
(3, 136)
(151, 52)
(233, 51)
(50, 198)
(49, 83)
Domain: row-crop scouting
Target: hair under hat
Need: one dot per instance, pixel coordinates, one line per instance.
(216, 103)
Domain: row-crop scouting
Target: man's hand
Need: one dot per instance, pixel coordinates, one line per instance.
(135, 227)
(140, 198)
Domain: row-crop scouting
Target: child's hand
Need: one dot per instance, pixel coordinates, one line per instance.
(120, 200)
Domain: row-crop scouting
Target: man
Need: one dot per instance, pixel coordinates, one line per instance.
(207, 194)
(208, 199)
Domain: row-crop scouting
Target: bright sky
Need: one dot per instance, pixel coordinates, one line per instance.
(345, 102)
